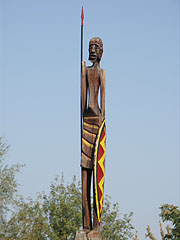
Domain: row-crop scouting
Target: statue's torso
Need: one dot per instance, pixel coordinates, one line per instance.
(93, 84)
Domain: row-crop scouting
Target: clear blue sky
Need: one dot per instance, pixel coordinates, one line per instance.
(40, 94)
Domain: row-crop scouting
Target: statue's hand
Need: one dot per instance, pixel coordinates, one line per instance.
(102, 117)
(83, 68)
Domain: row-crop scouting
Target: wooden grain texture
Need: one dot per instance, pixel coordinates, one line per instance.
(82, 235)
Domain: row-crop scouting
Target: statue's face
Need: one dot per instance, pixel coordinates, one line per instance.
(95, 50)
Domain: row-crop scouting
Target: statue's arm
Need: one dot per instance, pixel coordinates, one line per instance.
(103, 85)
(83, 87)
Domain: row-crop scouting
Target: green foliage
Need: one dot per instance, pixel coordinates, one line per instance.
(58, 216)
(171, 213)
(135, 237)
(149, 234)
(168, 213)
(53, 216)
(28, 223)
(162, 231)
(63, 209)
(8, 186)
(113, 227)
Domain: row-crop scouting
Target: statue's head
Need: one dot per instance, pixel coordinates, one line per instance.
(95, 49)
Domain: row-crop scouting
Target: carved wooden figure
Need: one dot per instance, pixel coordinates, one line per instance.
(93, 136)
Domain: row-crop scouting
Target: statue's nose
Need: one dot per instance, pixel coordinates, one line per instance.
(93, 48)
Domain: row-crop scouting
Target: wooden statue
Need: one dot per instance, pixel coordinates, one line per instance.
(93, 136)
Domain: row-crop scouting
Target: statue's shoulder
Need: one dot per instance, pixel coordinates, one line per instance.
(103, 72)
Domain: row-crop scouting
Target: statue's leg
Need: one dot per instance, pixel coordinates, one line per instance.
(86, 199)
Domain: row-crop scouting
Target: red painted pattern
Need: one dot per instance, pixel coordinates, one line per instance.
(100, 173)
(99, 169)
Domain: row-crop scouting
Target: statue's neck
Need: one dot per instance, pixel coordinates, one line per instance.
(96, 64)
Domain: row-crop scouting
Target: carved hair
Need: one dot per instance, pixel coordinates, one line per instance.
(99, 42)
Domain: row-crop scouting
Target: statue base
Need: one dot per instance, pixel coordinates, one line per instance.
(92, 235)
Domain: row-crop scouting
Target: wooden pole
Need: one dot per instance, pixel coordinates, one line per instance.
(82, 18)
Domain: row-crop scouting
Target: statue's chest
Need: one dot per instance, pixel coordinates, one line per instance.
(93, 78)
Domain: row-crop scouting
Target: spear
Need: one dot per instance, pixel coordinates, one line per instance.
(82, 18)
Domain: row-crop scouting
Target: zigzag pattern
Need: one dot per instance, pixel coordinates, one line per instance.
(101, 164)
(99, 169)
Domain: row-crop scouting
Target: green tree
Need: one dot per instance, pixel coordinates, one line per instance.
(28, 223)
(63, 209)
(168, 213)
(54, 216)
(58, 215)
(8, 186)
(171, 213)
(149, 233)
(114, 227)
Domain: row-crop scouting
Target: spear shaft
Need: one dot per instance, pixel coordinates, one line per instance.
(82, 18)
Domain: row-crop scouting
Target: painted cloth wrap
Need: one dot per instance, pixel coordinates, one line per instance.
(93, 155)
(91, 126)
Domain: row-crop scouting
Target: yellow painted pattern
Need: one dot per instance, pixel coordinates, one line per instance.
(89, 133)
(87, 143)
(89, 159)
(90, 125)
(91, 117)
(101, 163)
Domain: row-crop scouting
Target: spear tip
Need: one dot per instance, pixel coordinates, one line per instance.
(82, 16)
